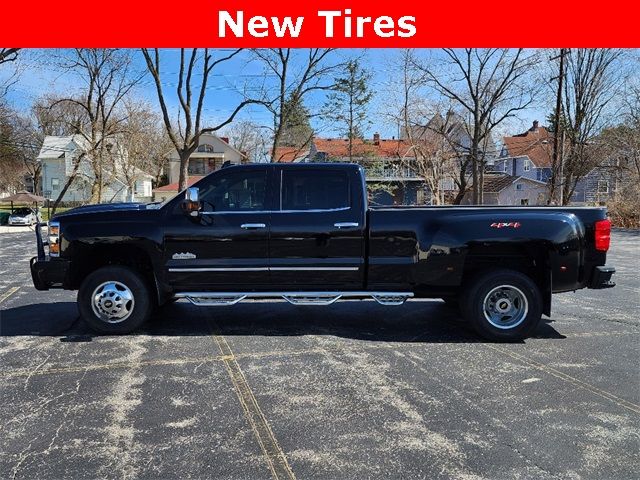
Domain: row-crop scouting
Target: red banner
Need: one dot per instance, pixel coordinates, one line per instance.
(356, 23)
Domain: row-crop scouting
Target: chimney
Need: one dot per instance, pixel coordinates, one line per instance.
(535, 125)
(376, 138)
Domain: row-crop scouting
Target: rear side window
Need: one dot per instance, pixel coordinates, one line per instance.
(315, 189)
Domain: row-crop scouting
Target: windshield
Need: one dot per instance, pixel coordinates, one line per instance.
(22, 211)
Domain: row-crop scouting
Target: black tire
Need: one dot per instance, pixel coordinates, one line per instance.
(513, 305)
(128, 284)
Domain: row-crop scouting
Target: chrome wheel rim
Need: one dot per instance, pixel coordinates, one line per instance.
(112, 302)
(505, 307)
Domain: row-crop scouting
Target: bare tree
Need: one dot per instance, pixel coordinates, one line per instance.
(621, 146)
(145, 145)
(313, 74)
(489, 86)
(592, 81)
(8, 54)
(439, 160)
(19, 145)
(437, 151)
(249, 138)
(53, 116)
(43, 120)
(10, 145)
(186, 131)
(633, 103)
(109, 76)
(27, 147)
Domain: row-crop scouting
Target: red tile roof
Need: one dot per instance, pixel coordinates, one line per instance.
(289, 154)
(536, 143)
(173, 187)
(339, 148)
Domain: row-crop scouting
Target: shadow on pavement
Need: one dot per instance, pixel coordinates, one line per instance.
(424, 322)
(45, 319)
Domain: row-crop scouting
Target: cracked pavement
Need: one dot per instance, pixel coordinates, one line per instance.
(351, 390)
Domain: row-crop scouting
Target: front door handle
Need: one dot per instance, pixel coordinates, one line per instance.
(248, 226)
(346, 224)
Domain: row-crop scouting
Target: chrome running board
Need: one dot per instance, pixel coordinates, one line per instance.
(211, 299)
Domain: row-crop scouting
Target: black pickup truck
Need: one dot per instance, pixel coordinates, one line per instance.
(304, 233)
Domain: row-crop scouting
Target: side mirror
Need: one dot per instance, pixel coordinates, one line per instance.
(191, 203)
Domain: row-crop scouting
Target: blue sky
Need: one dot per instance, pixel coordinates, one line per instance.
(40, 74)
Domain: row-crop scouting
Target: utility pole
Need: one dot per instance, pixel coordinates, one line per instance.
(558, 137)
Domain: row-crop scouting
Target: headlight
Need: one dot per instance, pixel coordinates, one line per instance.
(54, 239)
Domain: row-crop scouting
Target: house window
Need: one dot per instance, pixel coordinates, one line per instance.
(205, 149)
(527, 164)
(524, 201)
(519, 186)
(55, 183)
(603, 186)
(196, 166)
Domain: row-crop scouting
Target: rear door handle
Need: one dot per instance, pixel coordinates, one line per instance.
(346, 224)
(248, 226)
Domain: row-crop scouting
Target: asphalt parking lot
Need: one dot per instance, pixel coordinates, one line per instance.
(353, 390)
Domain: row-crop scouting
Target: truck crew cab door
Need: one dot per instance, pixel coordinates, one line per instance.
(318, 229)
(226, 247)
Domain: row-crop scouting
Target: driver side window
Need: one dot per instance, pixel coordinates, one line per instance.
(242, 191)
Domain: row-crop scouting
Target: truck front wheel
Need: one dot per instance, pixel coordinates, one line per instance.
(503, 305)
(114, 299)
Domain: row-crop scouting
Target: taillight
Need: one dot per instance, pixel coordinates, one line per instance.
(603, 235)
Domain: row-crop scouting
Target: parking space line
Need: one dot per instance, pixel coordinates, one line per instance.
(8, 293)
(274, 455)
(568, 378)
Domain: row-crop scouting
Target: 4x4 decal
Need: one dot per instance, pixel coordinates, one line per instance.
(505, 225)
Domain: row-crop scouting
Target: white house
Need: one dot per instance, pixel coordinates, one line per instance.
(210, 155)
(58, 156)
(502, 189)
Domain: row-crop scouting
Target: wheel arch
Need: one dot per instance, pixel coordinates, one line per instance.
(529, 258)
(135, 257)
